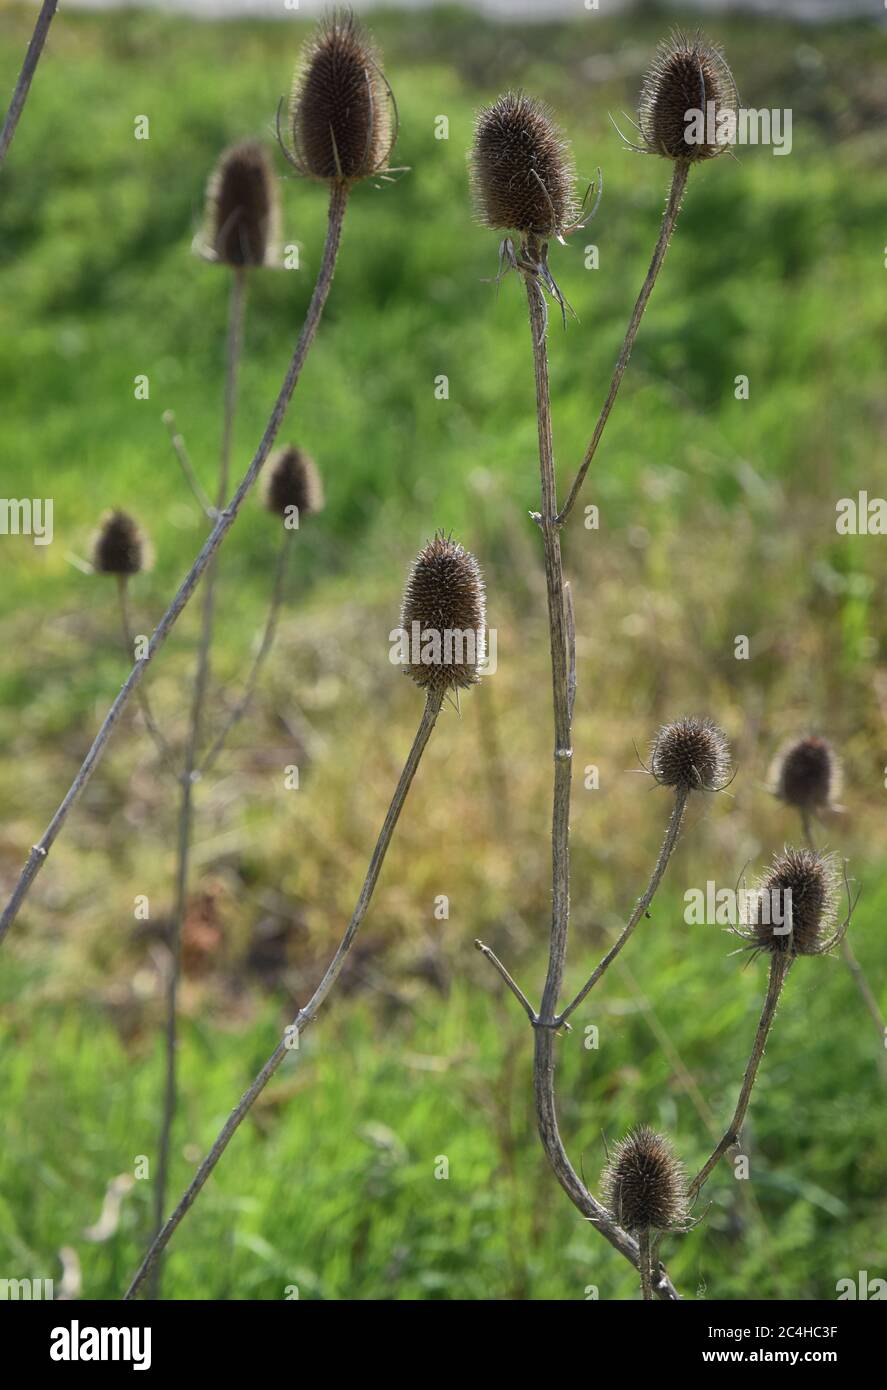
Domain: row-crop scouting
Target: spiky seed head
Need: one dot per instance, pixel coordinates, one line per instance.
(292, 481)
(686, 75)
(444, 598)
(644, 1183)
(806, 773)
(120, 546)
(340, 108)
(691, 755)
(242, 207)
(812, 880)
(522, 175)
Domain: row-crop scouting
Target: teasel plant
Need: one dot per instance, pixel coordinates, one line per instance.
(26, 75)
(791, 914)
(524, 183)
(342, 131)
(444, 594)
(806, 774)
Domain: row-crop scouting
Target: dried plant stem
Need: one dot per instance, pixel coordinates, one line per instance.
(849, 956)
(29, 67)
(780, 963)
(642, 904)
(151, 724)
(306, 1015)
(234, 345)
(184, 460)
(669, 218)
(38, 855)
(546, 1024)
(265, 646)
(645, 1266)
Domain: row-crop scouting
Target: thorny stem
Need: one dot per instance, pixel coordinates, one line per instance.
(645, 1267)
(669, 218)
(642, 904)
(866, 992)
(38, 855)
(306, 1015)
(151, 724)
(234, 344)
(780, 964)
(546, 1023)
(29, 66)
(264, 648)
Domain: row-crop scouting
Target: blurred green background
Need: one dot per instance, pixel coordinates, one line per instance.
(717, 520)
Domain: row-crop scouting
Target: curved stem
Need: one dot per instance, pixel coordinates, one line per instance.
(642, 904)
(151, 724)
(267, 642)
(546, 1024)
(780, 963)
(39, 853)
(29, 67)
(306, 1015)
(669, 218)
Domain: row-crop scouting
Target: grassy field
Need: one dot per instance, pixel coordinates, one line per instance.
(717, 520)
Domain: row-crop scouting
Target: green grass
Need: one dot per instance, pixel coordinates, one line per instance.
(717, 519)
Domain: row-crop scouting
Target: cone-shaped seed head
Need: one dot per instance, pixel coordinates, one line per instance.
(644, 1184)
(444, 598)
(685, 76)
(522, 176)
(812, 880)
(691, 755)
(807, 774)
(242, 207)
(292, 480)
(120, 546)
(340, 109)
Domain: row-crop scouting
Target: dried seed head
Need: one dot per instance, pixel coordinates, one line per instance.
(120, 546)
(292, 480)
(242, 209)
(443, 616)
(803, 924)
(691, 755)
(341, 105)
(644, 1183)
(522, 175)
(807, 774)
(685, 76)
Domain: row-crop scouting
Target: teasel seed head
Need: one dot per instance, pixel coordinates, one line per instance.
(445, 597)
(242, 208)
(644, 1184)
(806, 773)
(120, 546)
(812, 880)
(341, 122)
(522, 175)
(685, 76)
(691, 755)
(292, 481)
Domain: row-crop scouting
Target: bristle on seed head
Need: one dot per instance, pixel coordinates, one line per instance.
(293, 487)
(794, 908)
(443, 617)
(687, 75)
(807, 774)
(691, 755)
(242, 224)
(120, 546)
(644, 1183)
(341, 106)
(522, 175)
